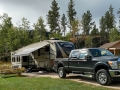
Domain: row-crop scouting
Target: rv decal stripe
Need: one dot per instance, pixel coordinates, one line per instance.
(63, 53)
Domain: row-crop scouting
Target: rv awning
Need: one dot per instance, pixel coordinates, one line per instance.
(27, 51)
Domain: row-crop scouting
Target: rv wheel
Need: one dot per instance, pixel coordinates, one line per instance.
(61, 72)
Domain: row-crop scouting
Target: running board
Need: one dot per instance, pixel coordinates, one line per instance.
(85, 74)
(90, 76)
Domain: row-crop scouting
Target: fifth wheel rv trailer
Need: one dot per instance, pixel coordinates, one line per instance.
(41, 54)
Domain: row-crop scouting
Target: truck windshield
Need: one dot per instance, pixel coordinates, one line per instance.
(100, 52)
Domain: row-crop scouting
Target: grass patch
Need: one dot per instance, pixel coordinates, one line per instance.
(7, 71)
(5, 63)
(44, 83)
(8, 75)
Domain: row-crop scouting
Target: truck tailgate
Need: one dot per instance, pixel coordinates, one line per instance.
(61, 59)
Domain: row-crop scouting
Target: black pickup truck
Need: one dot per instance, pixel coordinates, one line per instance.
(98, 63)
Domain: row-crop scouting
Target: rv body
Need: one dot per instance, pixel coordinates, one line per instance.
(41, 54)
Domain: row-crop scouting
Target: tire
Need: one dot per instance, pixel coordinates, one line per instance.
(103, 77)
(61, 72)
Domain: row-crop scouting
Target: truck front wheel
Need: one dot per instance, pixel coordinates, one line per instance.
(61, 72)
(103, 77)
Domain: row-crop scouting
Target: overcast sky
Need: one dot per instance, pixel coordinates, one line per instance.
(33, 9)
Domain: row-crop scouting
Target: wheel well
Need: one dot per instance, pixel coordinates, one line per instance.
(59, 65)
(100, 67)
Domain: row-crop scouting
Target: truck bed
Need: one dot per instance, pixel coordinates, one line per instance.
(60, 60)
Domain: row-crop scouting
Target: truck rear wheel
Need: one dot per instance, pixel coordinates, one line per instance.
(103, 77)
(61, 72)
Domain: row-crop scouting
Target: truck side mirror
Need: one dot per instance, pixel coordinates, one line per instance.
(88, 57)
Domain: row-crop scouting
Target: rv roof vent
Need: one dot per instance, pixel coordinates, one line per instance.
(54, 39)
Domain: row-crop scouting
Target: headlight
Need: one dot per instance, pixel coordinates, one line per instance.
(113, 64)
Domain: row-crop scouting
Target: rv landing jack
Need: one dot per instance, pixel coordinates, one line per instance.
(29, 69)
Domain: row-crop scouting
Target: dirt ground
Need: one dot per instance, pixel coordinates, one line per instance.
(74, 77)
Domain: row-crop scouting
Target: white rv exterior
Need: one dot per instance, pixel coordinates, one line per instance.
(41, 54)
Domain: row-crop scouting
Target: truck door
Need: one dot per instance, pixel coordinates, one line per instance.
(84, 65)
(74, 62)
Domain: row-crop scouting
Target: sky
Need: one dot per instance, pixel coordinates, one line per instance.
(33, 9)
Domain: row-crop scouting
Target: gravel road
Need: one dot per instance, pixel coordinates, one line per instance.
(74, 77)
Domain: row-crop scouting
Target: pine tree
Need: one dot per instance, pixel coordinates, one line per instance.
(118, 12)
(110, 18)
(24, 32)
(94, 31)
(40, 31)
(6, 27)
(53, 17)
(88, 42)
(71, 13)
(103, 30)
(95, 37)
(87, 22)
(75, 27)
(107, 23)
(63, 23)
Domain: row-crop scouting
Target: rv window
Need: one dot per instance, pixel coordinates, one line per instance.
(17, 59)
(66, 47)
(25, 58)
(47, 48)
(38, 52)
(13, 59)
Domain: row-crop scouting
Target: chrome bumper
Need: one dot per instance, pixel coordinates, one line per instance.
(114, 73)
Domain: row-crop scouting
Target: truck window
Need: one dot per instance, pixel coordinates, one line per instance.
(74, 54)
(100, 52)
(82, 54)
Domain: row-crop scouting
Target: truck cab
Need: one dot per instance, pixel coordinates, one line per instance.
(94, 62)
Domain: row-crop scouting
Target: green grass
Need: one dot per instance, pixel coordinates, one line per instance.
(44, 83)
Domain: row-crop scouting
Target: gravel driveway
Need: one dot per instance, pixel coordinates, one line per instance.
(74, 77)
